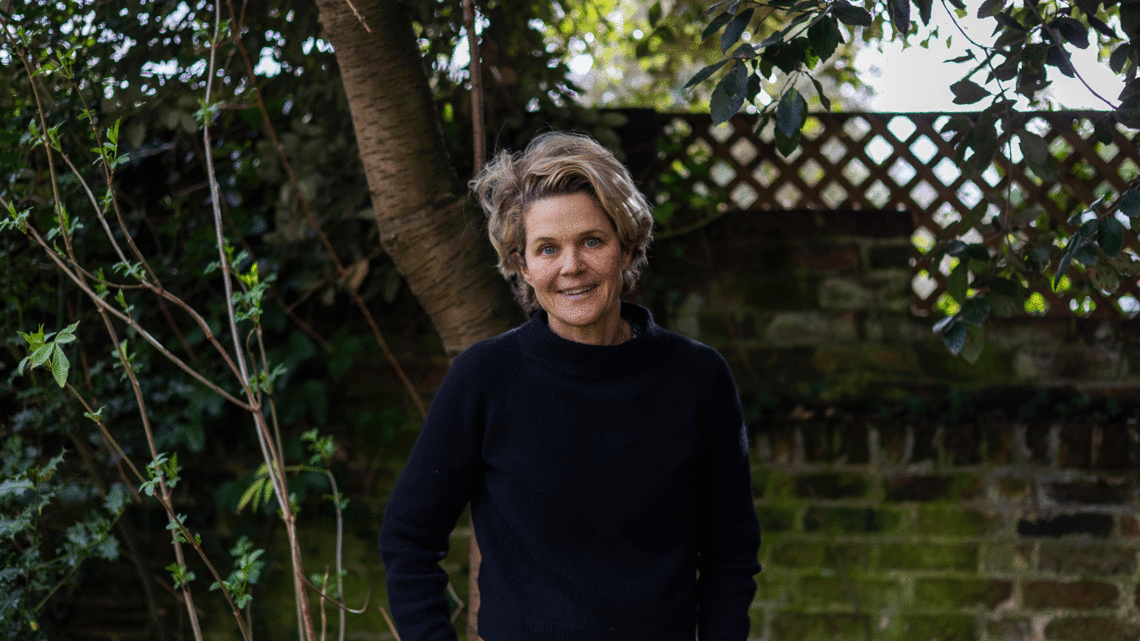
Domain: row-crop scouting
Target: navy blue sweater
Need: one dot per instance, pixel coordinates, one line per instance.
(602, 480)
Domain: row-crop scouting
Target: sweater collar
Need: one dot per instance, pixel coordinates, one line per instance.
(539, 343)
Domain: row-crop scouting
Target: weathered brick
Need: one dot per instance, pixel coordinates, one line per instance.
(912, 556)
(852, 557)
(835, 591)
(948, 487)
(876, 224)
(1098, 525)
(826, 441)
(810, 328)
(850, 520)
(771, 586)
(946, 627)
(1098, 492)
(1010, 628)
(756, 627)
(797, 554)
(831, 485)
(953, 521)
(1086, 560)
(962, 593)
(804, 626)
(775, 518)
(865, 359)
(1040, 595)
(1129, 527)
(1008, 557)
(817, 255)
(890, 256)
(1012, 489)
(1091, 629)
(778, 292)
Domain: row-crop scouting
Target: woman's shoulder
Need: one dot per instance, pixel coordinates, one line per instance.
(490, 354)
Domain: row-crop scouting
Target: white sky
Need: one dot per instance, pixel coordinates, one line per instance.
(918, 79)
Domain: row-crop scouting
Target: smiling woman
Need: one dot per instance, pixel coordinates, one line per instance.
(604, 458)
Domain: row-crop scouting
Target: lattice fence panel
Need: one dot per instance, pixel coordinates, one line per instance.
(900, 162)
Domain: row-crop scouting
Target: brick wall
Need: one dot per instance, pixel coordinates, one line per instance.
(904, 493)
(817, 306)
(895, 532)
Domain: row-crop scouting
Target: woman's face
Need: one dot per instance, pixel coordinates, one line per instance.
(574, 262)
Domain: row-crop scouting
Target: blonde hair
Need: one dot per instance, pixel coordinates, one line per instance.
(559, 164)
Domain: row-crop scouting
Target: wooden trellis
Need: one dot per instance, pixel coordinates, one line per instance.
(901, 162)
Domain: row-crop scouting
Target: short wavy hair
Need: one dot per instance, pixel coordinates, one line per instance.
(559, 164)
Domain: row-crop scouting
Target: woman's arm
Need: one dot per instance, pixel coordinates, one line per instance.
(429, 496)
(728, 533)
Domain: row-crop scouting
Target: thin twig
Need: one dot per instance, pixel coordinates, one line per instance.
(475, 68)
(341, 271)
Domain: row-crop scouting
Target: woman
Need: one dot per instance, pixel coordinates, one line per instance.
(604, 458)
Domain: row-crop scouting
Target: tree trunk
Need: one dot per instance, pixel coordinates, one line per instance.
(421, 209)
(427, 224)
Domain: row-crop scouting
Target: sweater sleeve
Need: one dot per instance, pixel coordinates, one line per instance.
(436, 484)
(728, 533)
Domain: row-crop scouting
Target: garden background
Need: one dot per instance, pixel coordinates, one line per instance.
(268, 319)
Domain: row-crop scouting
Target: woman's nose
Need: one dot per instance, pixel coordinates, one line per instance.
(572, 262)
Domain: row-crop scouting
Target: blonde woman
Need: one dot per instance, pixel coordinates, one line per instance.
(604, 457)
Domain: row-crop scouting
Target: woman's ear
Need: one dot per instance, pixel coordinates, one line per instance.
(626, 258)
(519, 262)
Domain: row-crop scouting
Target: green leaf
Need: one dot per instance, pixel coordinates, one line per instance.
(849, 14)
(956, 248)
(1086, 254)
(1119, 57)
(1130, 203)
(967, 92)
(1105, 280)
(791, 113)
(654, 14)
(59, 366)
(1073, 31)
(1130, 18)
(715, 25)
(1005, 287)
(786, 144)
(972, 346)
(954, 336)
(1066, 260)
(899, 13)
(975, 310)
(1033, 147)
(956, 283)
(67, 335)
(728, 97)
(735, 29)
(924, 10)
(1100, 26)
(697, 78)
(990, 8)
(824, 37)
(1111, 236)
(41, 355)
(1087, 228)
(823, 99)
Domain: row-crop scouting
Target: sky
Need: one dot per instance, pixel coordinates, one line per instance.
(915, 78)
(918, 79)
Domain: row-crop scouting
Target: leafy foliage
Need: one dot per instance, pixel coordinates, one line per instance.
(1028, 39)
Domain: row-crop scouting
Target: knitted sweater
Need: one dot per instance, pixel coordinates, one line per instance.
(602, 480)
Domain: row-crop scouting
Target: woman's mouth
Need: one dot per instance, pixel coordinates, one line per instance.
(578, 291)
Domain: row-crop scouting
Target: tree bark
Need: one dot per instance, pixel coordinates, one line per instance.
(423, 213)
(426, 221)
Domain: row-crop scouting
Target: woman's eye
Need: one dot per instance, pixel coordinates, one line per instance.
(593, 242)
(546, 250)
